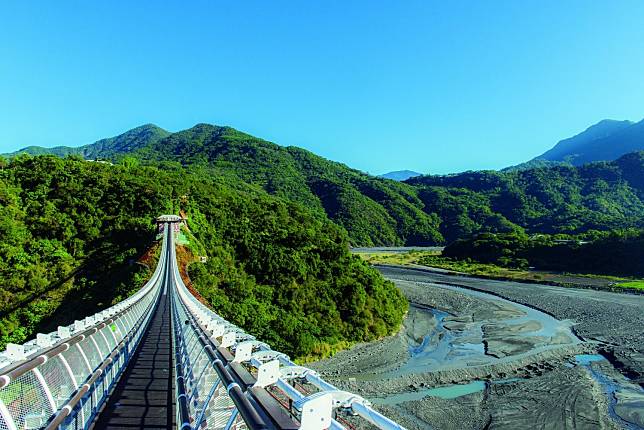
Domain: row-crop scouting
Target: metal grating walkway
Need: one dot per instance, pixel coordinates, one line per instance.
(117, 369)
(144, 396)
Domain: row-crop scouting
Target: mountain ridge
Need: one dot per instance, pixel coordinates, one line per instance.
(606, 140)
(107, 147)
(568, 148)
(424, 210)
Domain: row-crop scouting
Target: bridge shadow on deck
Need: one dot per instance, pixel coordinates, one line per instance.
(144, 396)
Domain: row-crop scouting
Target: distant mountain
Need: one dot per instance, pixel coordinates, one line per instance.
(558, 199)
(372, 210)
(60, 151)
(605, 141)
(105, 148)
(400, 175)
(422, 210)
(535, 163)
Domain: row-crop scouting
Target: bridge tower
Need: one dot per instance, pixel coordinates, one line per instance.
(175, 220)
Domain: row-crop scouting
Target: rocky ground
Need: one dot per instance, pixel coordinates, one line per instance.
(532, 378)
(615, 321)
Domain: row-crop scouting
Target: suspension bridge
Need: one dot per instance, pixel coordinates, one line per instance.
(161, 359)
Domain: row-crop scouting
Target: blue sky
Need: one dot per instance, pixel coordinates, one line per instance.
(430, 86)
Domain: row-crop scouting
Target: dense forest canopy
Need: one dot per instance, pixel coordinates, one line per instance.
(71, 230)
(617, 252)
(561, 199)
(277, 223)
(420, 211)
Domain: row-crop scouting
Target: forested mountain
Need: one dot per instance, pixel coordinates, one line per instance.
(372, 210)
(71, 230)
(104, 148)
(561, 199)
(605, 141)
(420, 211)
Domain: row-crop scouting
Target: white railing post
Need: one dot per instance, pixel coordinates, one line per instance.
(69, 370)
(6, 417)
(45, 389)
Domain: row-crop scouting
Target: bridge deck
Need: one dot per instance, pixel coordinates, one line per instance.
(144, 396)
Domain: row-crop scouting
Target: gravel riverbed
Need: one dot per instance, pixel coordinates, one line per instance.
(503, 356)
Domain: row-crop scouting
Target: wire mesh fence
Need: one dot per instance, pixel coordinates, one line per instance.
(208, 403)
(60, 380)
(73, 369)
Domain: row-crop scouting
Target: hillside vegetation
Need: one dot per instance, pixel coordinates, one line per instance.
(619, 252)
(561, 199)
(71, 230)
(423, 210)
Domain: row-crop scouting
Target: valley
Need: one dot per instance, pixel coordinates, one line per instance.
(322, 215)
(281, 228)
(490, 354)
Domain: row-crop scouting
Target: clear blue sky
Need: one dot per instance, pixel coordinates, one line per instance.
(432, 86)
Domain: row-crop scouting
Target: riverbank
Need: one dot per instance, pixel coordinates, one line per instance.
(432, 260)
(612, 322)
(493, 359)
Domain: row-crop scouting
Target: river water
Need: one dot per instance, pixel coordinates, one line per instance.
(456, 343)
(442, 347)
(615, 387)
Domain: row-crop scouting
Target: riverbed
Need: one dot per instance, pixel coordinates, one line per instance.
(477, 359)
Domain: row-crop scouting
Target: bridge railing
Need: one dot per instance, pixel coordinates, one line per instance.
(208, 397)
(62, 378)
(227, 379)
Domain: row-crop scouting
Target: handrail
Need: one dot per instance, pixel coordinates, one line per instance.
(248, 413)
(63, 377)
(68, 408)
(190, 417)
(15, 360)
(225, 378)
(232, 349)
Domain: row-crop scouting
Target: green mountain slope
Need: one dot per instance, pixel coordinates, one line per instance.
(374, 211)
(274, 268)
(432, 209)
(564, 199)
(420, 211)
(105, 148)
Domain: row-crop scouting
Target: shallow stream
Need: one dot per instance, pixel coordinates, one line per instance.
(614, 388)
(438, 340)
(450, 342)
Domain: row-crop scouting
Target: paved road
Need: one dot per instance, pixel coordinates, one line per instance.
(616, 320)
(144, 396)
(397, 249)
